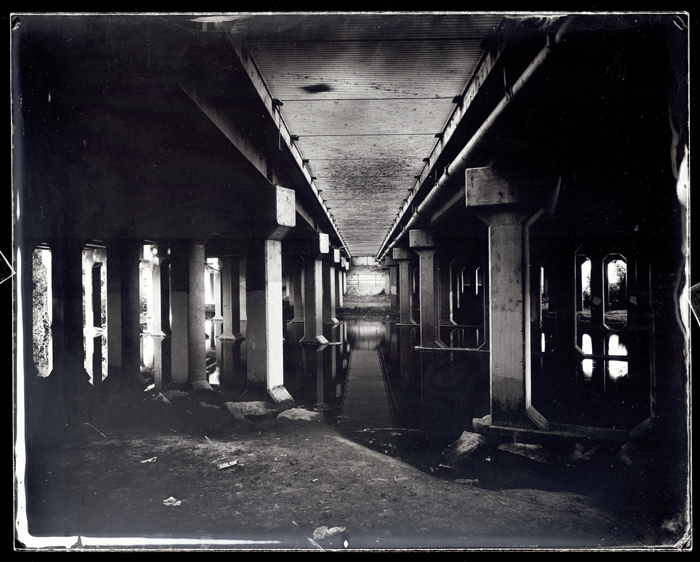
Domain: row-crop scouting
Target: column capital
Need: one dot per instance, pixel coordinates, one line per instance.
(498, 197)
(418, 239)
(317, 247)
(402, 254)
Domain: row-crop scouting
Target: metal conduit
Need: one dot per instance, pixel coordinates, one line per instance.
(461, 161)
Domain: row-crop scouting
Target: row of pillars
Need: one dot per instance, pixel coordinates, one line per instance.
(176, 307)
(503, 207)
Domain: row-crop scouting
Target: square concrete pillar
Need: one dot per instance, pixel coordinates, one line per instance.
(317, 250)
(124, 311)
(179, 306)
(296, 275)
(505, 207)
(265, 329)
(393, 291)
(329, 284)
(228, 350)
(404, 258)
(67, 316)
(160, 312)
(197, 364)
(423, 244)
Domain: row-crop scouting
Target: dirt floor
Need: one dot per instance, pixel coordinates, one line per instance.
(142, 466)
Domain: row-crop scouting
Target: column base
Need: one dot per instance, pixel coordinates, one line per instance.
(279, 394)
(318, 340)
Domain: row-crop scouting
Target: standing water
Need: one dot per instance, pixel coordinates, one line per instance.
(376, 388)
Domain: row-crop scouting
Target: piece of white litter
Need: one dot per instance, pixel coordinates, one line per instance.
(152, 459)
(171, 501)
(226, 465)
(323, 532)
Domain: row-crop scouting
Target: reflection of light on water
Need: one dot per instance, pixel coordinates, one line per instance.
(587, 367)
(617, 369)
(587, 344)
(615, 347)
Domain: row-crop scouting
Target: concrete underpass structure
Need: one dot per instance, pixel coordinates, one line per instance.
(543, 224)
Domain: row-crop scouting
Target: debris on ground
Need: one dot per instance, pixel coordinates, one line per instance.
(152, 459)
(239, 410)
(531, 451)
(323, 532)
(464, 448)
(226, 465)
(300, 414)
(172, 501)
(468, 481)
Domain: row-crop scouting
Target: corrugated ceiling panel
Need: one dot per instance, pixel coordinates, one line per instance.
(411, 69)
(366, 95)
(361, 27)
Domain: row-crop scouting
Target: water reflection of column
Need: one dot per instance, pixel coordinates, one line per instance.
(313, 367)
(406, 351)
(228, 351)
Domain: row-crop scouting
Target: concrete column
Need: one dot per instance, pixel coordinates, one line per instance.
(393, 282)
(179, 306)
(505, 206)
(329, 283)
(124, 353)
(339, 284)
(160, 312)
(228, 349)
(67, 311)
(444, 272)
(313, 291)
(114, 312)
(404, 258)
(197, 359)
(313, 295)
(387, 284)
(265, 328)
(423, 244)
(218, 320)
(297, 277)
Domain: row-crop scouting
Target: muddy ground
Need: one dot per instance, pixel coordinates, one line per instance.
(139, 466)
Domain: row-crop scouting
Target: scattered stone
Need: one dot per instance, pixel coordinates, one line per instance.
(534, 452)
(635, 456)
(280, 395)
(211, 414)
(176, 398)
(582, 453)
(300, 414)
(239, 410)
(468, 481)
(464, 448)
(481, 424)
(323, 532)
